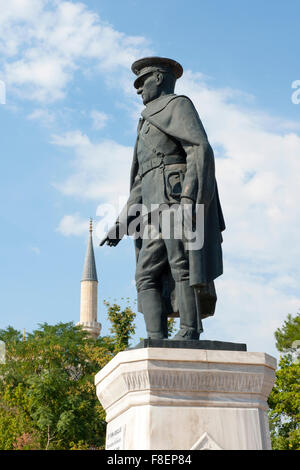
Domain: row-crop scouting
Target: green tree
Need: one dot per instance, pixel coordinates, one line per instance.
(122, 325)
(47, 392)
(284, 400)
(288, 337)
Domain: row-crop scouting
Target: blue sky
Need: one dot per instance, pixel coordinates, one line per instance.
(69, 125)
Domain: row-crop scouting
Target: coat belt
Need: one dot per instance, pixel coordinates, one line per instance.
(160, 161)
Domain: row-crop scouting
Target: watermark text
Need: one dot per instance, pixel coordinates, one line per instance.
(160, 221)
(2, 92)
(296, 94)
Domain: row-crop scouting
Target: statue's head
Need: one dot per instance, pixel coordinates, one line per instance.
(156, 76)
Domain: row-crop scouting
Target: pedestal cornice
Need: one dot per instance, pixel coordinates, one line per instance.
(185, 378)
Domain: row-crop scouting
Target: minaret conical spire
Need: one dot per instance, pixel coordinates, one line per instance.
(89, 269)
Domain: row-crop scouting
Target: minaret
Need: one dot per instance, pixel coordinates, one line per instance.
(89, 291)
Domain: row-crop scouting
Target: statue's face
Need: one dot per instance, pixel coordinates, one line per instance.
(149, 87)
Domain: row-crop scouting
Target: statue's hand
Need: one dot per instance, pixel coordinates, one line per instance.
(113, 236)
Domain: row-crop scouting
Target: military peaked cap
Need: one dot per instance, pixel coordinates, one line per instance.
(147, 65)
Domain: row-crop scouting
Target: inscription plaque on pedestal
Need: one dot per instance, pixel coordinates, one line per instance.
(115, 438)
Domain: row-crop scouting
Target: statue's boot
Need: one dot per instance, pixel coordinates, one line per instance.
(152, 309)
(189, 321)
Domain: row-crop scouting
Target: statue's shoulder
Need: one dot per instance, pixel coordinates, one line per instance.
(181, 98)
(181, 120)
(176, 116)
(168, 104)
(182, 101)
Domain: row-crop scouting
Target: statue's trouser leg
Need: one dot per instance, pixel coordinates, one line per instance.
(151, 263)
(152, 309)
(190, 325)
(190, 322)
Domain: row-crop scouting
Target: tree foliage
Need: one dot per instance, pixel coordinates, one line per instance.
(122, 324)
(288, 337)
(47, 392)
(284, 400)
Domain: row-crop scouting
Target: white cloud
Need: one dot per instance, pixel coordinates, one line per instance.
(44, 42)
(100, 170)
(99, 119)
(73, 225)
(71, 139)
(250, 308)
(43, 116)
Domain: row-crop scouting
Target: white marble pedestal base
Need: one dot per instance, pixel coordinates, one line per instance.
(160, 399)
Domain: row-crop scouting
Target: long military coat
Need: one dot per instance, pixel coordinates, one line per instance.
(177, 117)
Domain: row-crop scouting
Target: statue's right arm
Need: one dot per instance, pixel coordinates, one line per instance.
(113, 236)
(120, 228)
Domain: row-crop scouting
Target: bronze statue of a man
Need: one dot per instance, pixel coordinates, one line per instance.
(173, 164)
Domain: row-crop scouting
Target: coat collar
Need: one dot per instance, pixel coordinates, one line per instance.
(157, 105)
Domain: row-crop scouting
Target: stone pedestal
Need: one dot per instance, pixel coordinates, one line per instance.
(181, 399)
